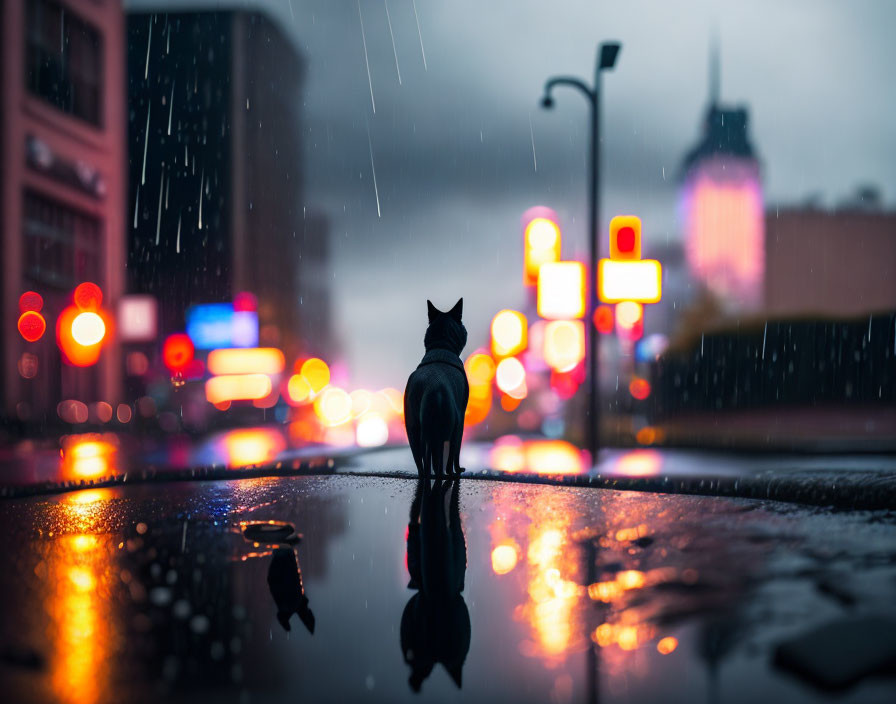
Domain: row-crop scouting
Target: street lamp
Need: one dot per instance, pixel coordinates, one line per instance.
(606, 59)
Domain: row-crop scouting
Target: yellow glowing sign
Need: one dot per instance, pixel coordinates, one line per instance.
(541, 245)
(298, 389)
(561, 290)
(316, 373)
(237, 387)
(252, 360)
(509, 333)
(640, 281)
(564, 344)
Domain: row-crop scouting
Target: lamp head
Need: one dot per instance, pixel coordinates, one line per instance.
(608, 53)
(547, 102)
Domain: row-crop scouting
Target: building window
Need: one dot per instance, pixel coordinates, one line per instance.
(62, 245)
(64, 60)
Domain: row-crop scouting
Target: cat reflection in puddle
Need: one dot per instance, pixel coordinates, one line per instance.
(435, 625)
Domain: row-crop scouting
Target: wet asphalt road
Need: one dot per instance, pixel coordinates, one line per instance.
(570, 594)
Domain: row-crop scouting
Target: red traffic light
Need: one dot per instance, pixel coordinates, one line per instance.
(30, 301)
(177, 352)
(32, 325)
(625, 237)
(88, 296)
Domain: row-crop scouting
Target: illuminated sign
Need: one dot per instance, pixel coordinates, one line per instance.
(258, 360)
(561, 290)
(214, 325)
(639, 281)
(137, 318)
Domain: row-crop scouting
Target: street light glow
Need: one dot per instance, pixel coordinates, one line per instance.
(509, 333)
(564, 344)
(88, 329)
(510, 377)
(541, 242)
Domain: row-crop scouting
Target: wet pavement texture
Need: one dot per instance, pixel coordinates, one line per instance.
(853, 481)
(180, 591)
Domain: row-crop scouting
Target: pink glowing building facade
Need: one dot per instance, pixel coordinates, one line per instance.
(722, 210)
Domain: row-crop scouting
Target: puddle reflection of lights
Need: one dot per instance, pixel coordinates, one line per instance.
(510, 454)
(504, 558)
(638, 463)
(88, 457)
(245, 447)
(80, 629)
(667, 645)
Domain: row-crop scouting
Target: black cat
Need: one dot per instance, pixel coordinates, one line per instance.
(436, 395)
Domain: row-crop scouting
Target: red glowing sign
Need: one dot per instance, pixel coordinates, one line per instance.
(177, 352)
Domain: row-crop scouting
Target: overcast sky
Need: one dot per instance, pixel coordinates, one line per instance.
(452, 142)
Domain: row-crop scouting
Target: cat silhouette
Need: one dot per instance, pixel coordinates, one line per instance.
(435, 624)
(285, 583)
(436, 395)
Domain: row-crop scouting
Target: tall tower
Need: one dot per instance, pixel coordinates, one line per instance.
(722, 205)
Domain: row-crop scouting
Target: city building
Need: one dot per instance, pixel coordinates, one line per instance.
(722, 206)
(215, 166)
(830, 263)
(62, 181)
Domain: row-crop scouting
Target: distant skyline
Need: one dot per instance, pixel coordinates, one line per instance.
(452, 143)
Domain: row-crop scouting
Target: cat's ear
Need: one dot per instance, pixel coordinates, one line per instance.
(456, 673)
(458, 310)
(431, 310)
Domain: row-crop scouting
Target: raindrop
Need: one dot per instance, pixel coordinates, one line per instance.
(532, 137)
(170, 107)
(148, 45)
(201, 180)
(145, 144)
(136, 207)
(419, 34)
(373, 170)
(391, 34)
(159, 213)
(177, 244)
(366, 60)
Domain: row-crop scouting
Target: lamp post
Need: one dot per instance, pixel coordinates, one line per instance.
(606, 59)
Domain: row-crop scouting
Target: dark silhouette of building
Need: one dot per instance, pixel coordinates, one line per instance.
(721, 205)
(215, 168)
(831, 263)
(61, 188)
